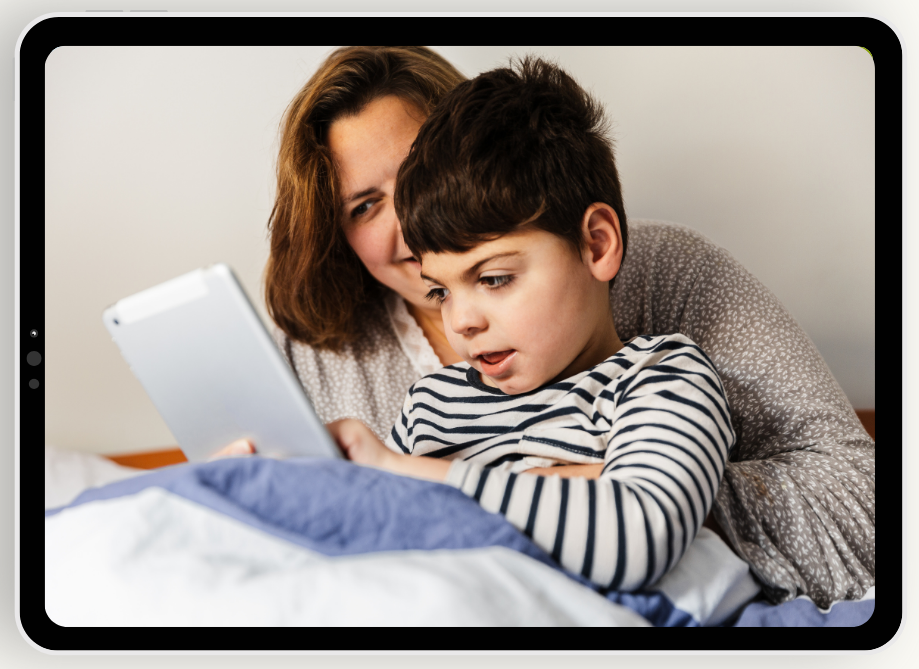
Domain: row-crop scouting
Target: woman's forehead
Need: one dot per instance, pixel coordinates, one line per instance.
(369, 146)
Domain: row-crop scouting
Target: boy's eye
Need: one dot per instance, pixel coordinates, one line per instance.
(497, 281)
(437, 295)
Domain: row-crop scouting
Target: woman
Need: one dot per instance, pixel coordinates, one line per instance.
(348, 300)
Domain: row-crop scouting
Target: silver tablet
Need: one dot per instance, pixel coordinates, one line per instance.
(214, 373)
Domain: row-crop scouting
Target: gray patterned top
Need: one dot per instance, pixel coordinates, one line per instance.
(797, 501)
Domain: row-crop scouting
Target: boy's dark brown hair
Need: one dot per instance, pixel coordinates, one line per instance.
(517, 145)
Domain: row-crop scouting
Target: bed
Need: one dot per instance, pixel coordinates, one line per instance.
(261, 542)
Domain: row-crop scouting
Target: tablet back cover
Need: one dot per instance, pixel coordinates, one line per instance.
(212, 370)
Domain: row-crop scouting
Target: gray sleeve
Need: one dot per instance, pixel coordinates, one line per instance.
(366, 380)
(801, 480)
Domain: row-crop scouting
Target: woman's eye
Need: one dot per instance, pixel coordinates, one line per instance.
(437, 295)
(361, 209)
(497, 281)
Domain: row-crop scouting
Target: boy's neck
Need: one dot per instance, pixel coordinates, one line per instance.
(603, 344)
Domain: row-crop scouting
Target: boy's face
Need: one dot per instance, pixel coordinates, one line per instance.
(523, 309)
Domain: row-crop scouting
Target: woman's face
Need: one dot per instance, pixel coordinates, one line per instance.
(368, 150)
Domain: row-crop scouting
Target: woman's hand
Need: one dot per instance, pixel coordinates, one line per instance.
(238, 448)
(569, 471)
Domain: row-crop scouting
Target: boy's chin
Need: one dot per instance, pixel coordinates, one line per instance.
(509, 386)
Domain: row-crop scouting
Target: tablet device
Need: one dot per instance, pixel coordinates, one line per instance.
(204, 357)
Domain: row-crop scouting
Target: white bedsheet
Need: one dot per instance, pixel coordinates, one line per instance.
(68, 473)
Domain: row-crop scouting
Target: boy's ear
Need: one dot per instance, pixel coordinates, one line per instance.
(603, 238)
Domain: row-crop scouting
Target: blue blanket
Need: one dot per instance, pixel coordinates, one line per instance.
(336, 509)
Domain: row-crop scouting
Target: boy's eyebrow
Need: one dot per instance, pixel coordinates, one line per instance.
(469, 273)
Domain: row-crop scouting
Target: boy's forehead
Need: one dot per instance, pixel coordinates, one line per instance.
(451, 266)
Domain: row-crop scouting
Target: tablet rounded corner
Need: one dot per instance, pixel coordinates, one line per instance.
(44, 625)
(30, 32)
(888, 32)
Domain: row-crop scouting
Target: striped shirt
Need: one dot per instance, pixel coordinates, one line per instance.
(654, 413)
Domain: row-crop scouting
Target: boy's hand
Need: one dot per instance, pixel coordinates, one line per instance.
(360, 444)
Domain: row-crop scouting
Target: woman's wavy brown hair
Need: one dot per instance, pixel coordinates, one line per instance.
(314, 282)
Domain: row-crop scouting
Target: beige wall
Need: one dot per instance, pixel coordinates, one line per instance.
(160, 160)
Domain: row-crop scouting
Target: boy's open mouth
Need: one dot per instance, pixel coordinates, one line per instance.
(496, 362)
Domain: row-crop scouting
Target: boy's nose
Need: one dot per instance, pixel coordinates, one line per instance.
(465, 318)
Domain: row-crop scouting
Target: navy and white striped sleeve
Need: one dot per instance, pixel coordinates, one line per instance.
(398, 439)
(666, 452)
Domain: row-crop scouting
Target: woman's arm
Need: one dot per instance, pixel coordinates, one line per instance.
(798, 497)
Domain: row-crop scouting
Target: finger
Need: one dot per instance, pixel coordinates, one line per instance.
(237, 448)
(241, 447)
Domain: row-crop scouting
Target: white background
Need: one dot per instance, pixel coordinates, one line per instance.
(160, 160)
(902, 15)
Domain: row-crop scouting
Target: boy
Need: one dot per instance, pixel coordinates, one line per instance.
(511, 201)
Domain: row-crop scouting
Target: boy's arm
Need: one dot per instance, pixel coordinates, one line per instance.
(569, 471)
(423, 467)
(663, 465)
(670, 442)
(361, 445)
(629, 527)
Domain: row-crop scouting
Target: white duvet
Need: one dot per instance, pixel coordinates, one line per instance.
(155, 558)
